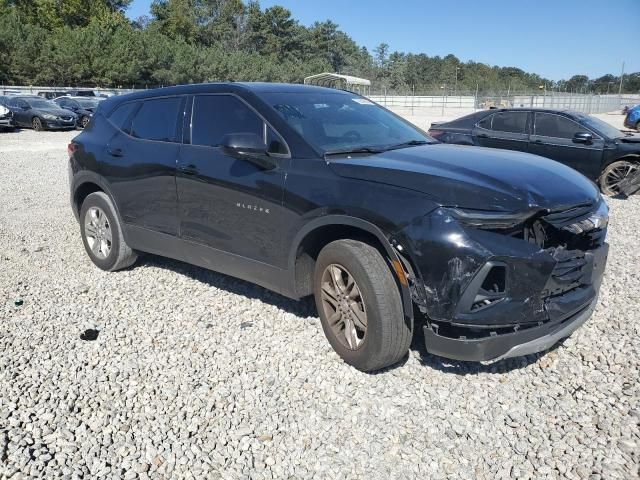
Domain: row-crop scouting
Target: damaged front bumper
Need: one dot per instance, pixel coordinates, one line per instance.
(488, 296)
(507, 345)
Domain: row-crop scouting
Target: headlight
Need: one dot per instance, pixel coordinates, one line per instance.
(487, 219)
(48, 116)
(598, 220)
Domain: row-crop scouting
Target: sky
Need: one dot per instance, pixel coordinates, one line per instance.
(554, 38)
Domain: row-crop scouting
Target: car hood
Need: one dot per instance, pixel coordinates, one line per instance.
(630, 139)
(474, 177)
(55, 111)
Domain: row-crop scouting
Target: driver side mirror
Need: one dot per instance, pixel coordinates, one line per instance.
(248, 146)
(582, 137)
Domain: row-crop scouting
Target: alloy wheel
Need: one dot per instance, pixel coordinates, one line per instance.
(97, 231)
(37, 124)
(344, 306)
(616, 175)
(84, 122)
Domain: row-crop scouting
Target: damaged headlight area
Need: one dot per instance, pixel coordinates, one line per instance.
(489, 220)
(578, 227)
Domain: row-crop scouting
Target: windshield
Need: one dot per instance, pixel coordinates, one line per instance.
(335, 122)
(88, 102)
(40, 103)
(601, 126)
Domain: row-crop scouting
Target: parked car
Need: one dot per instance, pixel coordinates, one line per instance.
(6, 118)
(40, 114)
(313, 191)
(599, 151)
(52, 95)
(83, 107)
(632, 119)
(82, 93)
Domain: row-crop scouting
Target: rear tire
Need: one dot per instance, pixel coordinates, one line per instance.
(613, 174)
(37, 124)
(102, 234)
(355, 288)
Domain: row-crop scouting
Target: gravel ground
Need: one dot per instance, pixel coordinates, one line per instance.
(198, 375)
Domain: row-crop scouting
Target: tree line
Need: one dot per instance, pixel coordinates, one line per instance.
(92, 43)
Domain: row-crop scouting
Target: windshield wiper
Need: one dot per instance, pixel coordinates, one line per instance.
(348, 151)
(410, 143)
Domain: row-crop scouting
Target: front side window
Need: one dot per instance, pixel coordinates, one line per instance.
(549, 125)
(157, 119)
(215, 116)
(337, 121)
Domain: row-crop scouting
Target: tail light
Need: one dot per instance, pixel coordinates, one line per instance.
(436, 133)
(71, 148)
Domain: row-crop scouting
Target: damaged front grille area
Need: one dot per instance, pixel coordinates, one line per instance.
(570, 236)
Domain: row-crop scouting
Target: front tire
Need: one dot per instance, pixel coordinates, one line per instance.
(37, 124)
(102, 234)
(84, 121)
(360, 306)
(613, 174)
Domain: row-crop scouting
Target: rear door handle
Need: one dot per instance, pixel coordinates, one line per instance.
(482, 135)
(188, 169)
(115, 152)
(536, 141)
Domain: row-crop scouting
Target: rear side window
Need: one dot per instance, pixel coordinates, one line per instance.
(549, 125)
(215, 116)
(157, 119)
(121, 114)
(510, 122)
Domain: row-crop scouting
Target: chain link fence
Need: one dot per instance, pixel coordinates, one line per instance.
(448, 101)
(585, 103)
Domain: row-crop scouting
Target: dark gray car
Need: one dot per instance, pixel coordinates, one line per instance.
(40, 114)
(83, 107)
(599, 151)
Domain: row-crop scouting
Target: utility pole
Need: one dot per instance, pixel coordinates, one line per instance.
(621, 77)
(455, 91)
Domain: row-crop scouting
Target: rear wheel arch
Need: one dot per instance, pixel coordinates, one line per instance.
(88, 183)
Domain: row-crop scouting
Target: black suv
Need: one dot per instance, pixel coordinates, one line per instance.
(313, 191)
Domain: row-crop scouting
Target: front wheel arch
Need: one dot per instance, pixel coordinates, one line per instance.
(335, 227)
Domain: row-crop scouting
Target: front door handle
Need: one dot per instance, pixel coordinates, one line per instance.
(115, 152)
(482, 135)
(188, 169)
(537, 141)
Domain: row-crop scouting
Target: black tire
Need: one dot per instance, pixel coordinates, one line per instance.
(84, 121)
(613, 173)
(387, 336)
(37, 124)
(120, 254)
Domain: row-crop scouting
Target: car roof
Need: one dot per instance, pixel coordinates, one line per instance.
(69, 97)
(254, 87)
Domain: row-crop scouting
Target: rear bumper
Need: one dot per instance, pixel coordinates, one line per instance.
(517, 344)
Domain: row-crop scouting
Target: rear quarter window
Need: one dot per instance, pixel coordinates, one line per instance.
(157, 119)
(121, 114)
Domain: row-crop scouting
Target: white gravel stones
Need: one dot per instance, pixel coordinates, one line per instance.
(197, 375)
